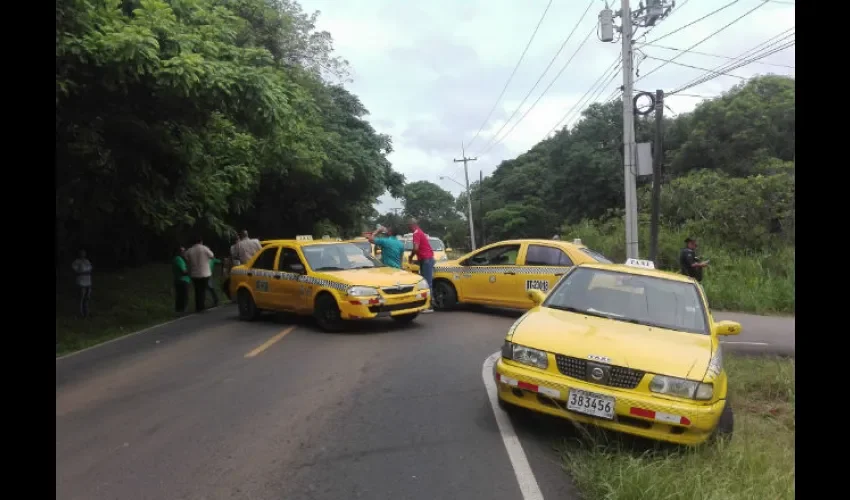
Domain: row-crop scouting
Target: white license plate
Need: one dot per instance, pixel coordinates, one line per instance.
(595, 405)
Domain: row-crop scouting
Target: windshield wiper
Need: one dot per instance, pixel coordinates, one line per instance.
(365, 267)
(330, 268)
(578, 311)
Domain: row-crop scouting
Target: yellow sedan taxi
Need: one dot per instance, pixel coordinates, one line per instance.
(623, 347)
(501, 273)
(334, 281)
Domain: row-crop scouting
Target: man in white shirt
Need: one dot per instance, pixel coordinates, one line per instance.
(247, 247)
(198, 257)
(82, 268)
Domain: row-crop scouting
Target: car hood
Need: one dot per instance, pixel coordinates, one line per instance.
(650, 349)
(379, 276)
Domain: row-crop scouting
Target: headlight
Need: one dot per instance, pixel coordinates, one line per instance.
(680, 387)
(422, 285)
(362, 291)
(529, 356)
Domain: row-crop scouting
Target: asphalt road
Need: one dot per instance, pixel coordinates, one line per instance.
(212, 408)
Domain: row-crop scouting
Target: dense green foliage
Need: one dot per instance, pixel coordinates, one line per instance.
(729, 172)
(200, 115)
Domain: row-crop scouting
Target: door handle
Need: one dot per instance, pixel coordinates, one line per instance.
(559, 274)
(277, 276)
(250, 274)
(510, 272)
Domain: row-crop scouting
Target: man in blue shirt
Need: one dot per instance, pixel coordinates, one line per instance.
(391, 248)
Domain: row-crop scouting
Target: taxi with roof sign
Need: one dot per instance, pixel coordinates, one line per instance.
(623, 347)
(334, 281)
(500, 274)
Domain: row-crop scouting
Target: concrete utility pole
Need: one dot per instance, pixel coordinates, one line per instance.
(656, 176)
(465, 160)
(481, 204)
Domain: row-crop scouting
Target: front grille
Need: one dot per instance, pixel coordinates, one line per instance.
(396, 290)
(618, 376)
(397, 307)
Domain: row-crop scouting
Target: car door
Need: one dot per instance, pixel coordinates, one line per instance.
(260, 275)
(542, 267)
(286, 286)
(489, 275)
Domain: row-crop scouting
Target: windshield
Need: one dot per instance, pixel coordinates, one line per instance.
(363, 245)
(597, 256)
(436, 245)
(338, 257)
(645, 300)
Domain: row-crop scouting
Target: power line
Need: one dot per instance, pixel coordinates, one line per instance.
(738, 65)
(710, 55)
(510, 78)
(551, 62)
(765, 45)
(558, 75)
(596, 89)
(695, 67)
(761, 4)
(715, 11)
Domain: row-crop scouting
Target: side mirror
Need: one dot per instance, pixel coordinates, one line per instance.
(297, 268)
(536, 296)
(727, 328)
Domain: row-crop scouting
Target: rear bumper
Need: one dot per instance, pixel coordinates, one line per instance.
(371, 308)
(635, 413)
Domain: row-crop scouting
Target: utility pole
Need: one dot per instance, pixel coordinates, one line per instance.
(465, 160)
(649, 15)
(481, 204)
(656, 176)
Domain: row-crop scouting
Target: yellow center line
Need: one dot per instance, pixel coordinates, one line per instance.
(270, 342)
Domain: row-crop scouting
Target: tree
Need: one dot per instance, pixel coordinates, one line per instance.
(428, 202)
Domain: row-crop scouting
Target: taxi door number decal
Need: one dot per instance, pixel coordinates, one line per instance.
(541, 285)
(262, 286)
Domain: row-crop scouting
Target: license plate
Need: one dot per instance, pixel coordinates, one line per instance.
(595, 405)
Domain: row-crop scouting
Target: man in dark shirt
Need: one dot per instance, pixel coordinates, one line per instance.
(689, 262)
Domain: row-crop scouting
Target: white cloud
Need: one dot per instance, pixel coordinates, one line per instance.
(429, 72)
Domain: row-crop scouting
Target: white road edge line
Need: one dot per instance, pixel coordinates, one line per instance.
(116, 339)
(524, 475)
(742, 343)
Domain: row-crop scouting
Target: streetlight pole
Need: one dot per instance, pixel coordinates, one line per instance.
(465, 160)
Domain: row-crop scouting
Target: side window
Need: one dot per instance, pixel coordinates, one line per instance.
(502, 255)
(290, 262)
(539, 255)
(266, 259)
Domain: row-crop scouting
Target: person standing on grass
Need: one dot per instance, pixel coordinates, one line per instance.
(82, 268)
(424, 253)
(211, 282)
(247, 247)
(199, 257)
(181, 281)
(689, 262)
(392, 249)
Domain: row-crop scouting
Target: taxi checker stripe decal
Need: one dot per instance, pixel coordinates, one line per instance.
(529, 387)
(293, 277)
(498, 270)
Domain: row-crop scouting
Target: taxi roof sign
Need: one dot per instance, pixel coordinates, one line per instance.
(644, 264)
(304, 237)
(577, 241)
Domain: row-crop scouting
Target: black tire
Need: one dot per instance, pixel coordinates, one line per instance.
(405, 318)
(327, 314)
(725, 425)
(444, 296)
(247, 308)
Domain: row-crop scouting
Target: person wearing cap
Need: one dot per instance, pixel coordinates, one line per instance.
(689, 262)
(424, 254)
(391, 248)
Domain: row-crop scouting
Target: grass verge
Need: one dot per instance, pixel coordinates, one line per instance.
(122, 302)
(757, 462)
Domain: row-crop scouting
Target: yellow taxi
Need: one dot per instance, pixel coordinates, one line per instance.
(623, 347)
(437, 246)
(501, 273)
(363, 244)
(332, 280)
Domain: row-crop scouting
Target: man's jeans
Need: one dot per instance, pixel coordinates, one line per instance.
(426, 269)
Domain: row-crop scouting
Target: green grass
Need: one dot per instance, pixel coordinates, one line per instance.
(760, 282)
(122, 302)
(757, 462)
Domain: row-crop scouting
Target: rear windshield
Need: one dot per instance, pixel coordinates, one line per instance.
(597, 256)
(436, 244)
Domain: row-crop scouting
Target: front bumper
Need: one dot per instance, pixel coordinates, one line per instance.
(358, 308)
(635, 413)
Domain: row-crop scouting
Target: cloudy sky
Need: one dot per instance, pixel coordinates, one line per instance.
(430, 72)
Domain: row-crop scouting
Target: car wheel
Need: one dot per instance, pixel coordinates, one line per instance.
(444, 296)
(247, 308)
(327, 314)
(405, 318)
(726, 423)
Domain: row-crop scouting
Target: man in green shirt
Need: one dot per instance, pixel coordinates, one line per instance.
(181, 281)
(211, 281)
(391, 248)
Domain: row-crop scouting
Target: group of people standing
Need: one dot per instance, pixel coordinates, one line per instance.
(195, 266)
(392, 250)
